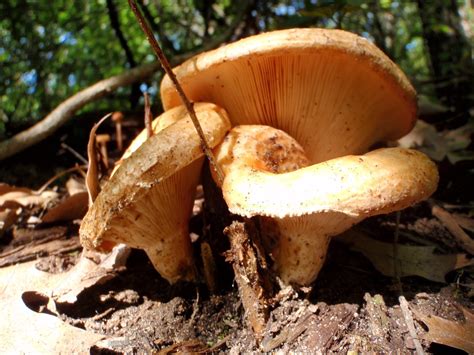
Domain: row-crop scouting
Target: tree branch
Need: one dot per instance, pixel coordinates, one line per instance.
(62, 113)
(115, 23)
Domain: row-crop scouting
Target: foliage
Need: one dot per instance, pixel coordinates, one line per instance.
(50, 50)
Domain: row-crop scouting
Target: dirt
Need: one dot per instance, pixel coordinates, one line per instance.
(139, 312)
(351, 306)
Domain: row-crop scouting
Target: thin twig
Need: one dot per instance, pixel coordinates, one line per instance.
(58, 175)
(396, 265)
(149, 128)
(73, 152)
(167, 68)
(195, 307)
(410, 324)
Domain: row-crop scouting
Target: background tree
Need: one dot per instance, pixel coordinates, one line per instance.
(51, 50)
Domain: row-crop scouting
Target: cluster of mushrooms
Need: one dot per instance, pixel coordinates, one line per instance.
(290, 116)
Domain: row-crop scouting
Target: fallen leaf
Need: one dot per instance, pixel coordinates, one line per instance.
(425, 138)
(28, 332)
(5, 188)
(459, 335)
(464, 221)
(72, 207)
(28, 198)
(450, 144)
(413, 260)
(92, 269)
(75, 186)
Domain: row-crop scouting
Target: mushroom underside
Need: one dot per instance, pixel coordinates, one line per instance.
(305, 81)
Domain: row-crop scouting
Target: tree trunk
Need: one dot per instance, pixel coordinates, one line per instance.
(449, 51)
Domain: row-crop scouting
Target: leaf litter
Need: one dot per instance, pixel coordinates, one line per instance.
(125, 306)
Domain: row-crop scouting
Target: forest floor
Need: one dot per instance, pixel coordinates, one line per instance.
(360, 301)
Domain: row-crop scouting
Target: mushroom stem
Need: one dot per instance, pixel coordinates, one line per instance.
(300, 244)
(102, 140)
(117, 118)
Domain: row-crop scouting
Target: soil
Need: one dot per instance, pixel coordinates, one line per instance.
(140, 312)
(351, 307)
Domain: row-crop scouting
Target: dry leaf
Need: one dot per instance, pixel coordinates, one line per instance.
(28, 332)
(73, 207)
(28, 198)
(451, 144)
(425, 138)
(75, 186)
(413, 260)
(464, 221)
(459, 335)
(5, 188)
(89, 272)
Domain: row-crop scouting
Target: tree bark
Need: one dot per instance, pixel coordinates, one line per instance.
(115, 23)
(449, 52)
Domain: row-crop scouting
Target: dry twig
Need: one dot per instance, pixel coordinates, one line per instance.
(410, 324)
(245, 262)
(148, 118)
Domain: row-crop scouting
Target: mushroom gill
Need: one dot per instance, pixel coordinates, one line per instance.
(307, 82)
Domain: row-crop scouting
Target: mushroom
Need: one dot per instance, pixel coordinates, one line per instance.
(267, 174)
(148, 200)
(102, 140)
(306, 82)
(336, 94)
(117, 118)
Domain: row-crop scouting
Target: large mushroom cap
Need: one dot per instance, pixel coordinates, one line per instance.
(306, 82)
(148, 200)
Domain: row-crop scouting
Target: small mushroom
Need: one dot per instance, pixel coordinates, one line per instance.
(267, 174)
(307, 82)
(117, 118)
(148, 201)
(102, 140)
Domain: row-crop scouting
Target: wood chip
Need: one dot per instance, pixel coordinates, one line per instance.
(244, 260)
(410, 325)
(326, 330)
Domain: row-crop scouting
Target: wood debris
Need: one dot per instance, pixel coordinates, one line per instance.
(245, 262)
